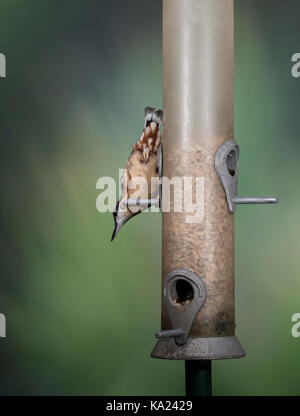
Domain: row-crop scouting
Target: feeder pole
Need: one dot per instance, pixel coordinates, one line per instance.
(198, 119)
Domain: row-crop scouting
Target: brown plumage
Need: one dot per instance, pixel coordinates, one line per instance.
(142, 163)
(150, 140)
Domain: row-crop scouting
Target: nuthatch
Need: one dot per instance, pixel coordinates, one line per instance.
(142, 164)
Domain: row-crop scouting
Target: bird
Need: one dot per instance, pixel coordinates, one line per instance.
(142, 163)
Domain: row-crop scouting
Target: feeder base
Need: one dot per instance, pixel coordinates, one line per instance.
(217, 348)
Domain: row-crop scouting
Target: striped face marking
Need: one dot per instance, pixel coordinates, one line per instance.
(149, 140)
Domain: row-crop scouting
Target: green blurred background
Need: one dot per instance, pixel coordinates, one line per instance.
(81, 312)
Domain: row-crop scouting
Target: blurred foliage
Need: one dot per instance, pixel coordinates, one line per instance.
(81, 312)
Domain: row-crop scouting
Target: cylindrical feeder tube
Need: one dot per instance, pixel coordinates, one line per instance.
(198, 118)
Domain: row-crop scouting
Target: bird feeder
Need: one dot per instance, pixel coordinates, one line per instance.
(198, 311)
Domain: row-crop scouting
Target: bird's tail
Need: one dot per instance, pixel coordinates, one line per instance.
(115, 215)
(114, 233)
